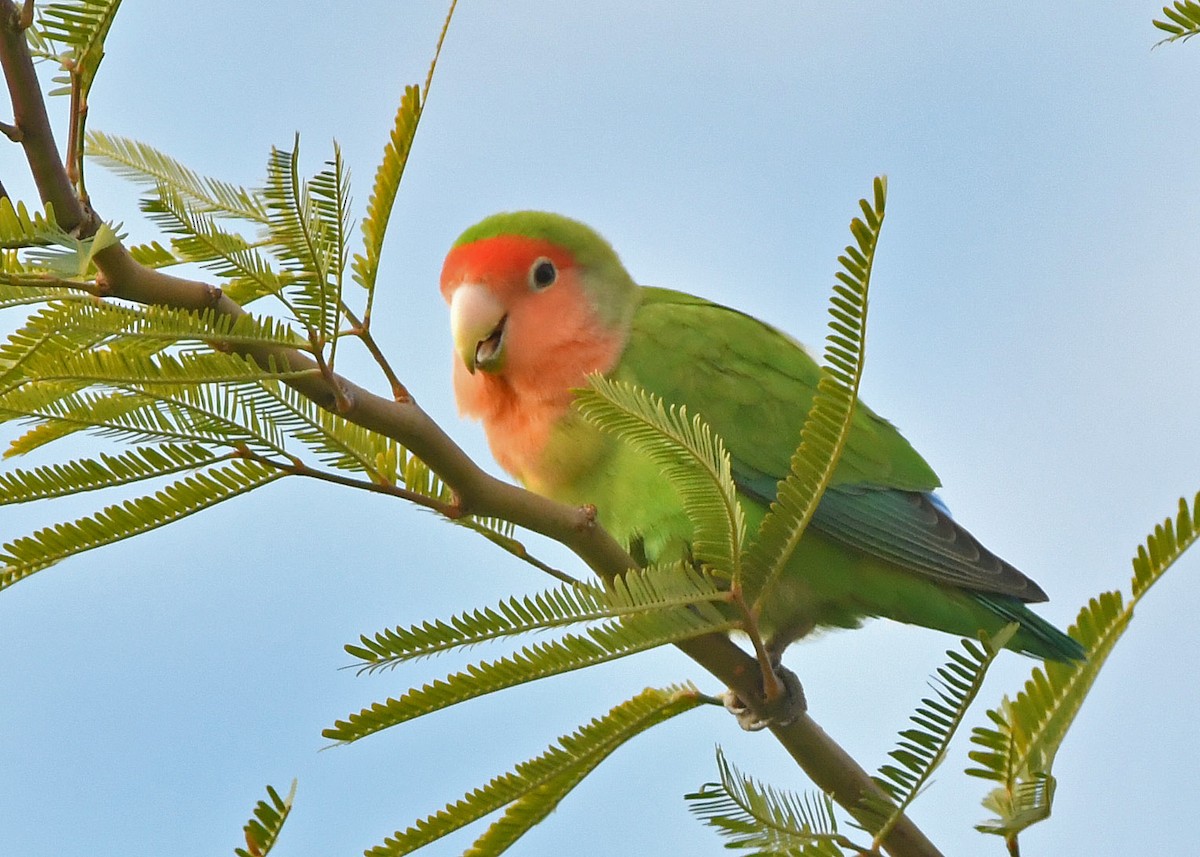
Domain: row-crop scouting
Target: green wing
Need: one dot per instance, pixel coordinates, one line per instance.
(754, 385)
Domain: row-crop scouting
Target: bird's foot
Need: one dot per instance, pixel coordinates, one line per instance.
(787, 705)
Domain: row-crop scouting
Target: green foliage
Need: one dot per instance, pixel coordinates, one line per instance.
(203, 241)
(264, 828)
(170, 380)
(827, 425)
(670, 588)
(71, 257)
(691, 456)
(639, 617)
(32, 553)
(73, 477)
(204, 400)
(1018, 749)
(387, 183)
(765, 820)
(307, 226)
(77, 31)
(19, 228)
(147, 166)
(1183, 21)
(922, 748)
(534, 788)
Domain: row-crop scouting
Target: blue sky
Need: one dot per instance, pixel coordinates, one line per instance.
(1032, 331)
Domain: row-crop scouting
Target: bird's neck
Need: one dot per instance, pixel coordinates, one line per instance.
(531, 429)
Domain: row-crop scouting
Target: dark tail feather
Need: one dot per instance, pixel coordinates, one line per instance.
(1036, 637)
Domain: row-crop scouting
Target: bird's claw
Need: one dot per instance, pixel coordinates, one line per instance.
(785, 708)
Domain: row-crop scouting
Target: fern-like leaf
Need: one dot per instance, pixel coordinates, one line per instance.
(19, 228)
(827, 426)
(153, 255)
(146, 165)
(923, 748)
(389, 174)
(306, 240)
(263, 829)
(202, 241)
(535, 787)
(606, 642)
(29, 554)
(108, 471)
(330, 190)
(1018, 751)
(387, 183)
(658, 588)
(82, 25)
(72, 257)
(1183, 21)
(765, 820)
(690, 454)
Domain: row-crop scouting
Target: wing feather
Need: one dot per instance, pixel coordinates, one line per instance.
(754, 385)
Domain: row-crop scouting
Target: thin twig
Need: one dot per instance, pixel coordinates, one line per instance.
(296, 467)
(362, 330)
(51, 281)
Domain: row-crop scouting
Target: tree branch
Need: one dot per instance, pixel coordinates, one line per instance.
(32, 123)
(825, 762)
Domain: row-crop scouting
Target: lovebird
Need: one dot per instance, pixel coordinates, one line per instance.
(538, 302)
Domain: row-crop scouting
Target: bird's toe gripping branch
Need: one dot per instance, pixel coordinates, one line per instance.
(763, 712)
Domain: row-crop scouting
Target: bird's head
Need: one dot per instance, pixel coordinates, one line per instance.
(536, 299)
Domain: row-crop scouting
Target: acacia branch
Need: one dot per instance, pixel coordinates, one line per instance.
(825, 762)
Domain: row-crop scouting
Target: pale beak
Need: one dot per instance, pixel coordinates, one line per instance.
(477, 320)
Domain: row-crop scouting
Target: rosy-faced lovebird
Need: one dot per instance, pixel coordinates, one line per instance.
(538, 302)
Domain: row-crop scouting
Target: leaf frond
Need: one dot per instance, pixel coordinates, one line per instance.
(765, 820)
(387, 182)
(263, 829)
(146, 165)
(19, 228)
(1182, 21)
(29, 554)
(605, 642)
(307, 240)
(691, 455)
(827, 426)
(658, 588)
(107, 471)
(1018, 750)
(82, 25)
(922, 749)
(535, 787)
(71, 257)
(203, 241)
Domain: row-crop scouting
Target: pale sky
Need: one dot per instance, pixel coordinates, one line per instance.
(1032, 331)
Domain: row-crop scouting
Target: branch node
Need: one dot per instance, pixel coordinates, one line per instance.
(343, 400)
(104, 287)
(456, 508)
(12, 132)
(587, 518)
(214, 295)
(25, 20)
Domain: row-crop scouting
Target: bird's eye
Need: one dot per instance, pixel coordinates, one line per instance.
(542, 275)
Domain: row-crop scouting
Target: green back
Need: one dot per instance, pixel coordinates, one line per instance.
(754, 386)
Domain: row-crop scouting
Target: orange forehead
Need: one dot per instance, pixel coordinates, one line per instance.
(501, 261)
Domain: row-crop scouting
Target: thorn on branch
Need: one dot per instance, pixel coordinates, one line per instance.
(12, 132)
(25, 21)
